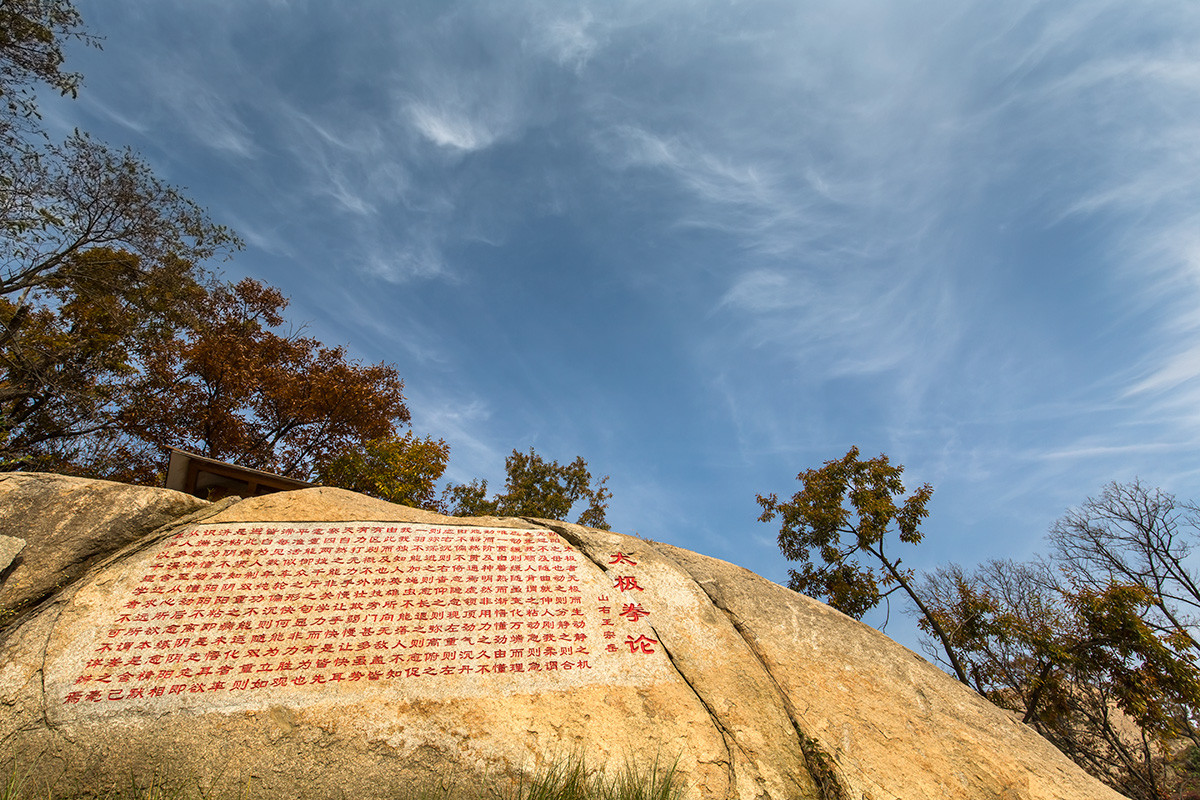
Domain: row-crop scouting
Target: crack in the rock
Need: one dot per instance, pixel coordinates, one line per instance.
(45, 700)
(730, 741)
(13, 565)
(727, 737)
(821, 766)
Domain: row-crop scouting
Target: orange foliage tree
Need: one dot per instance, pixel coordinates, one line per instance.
(236, 387)
(69, 351)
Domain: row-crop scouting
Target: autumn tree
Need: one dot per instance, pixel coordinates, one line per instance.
(71, 362)
(238, 385)
(91, 243)
(81, 223)
(84, 194)
(58, 200)
(1138, 536)
(1078, 662)
(535, 487)
(840, 525)
(1095, 646)
(400, 469)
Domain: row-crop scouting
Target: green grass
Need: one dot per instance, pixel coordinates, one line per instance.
(11, 790)
(564, 779)
(570, 779)
(17, 788)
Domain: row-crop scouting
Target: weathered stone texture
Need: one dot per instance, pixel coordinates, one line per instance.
(764, 752)
(894, 725)
(68, 524)
(327, 504)
(756, 692)
(10, 548)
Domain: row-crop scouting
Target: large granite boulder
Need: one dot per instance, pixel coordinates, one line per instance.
(67, 524)
(320, 643)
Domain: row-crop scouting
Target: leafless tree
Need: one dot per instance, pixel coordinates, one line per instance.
(1139, 536)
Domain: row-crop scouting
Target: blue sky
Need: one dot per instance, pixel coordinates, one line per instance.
(709, 245)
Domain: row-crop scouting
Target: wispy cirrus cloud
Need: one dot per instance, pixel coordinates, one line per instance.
(569, 41)
(450, 129)
(1106, 451)
(962, 233)
(417, 256)
(710, 177)
(464, 421)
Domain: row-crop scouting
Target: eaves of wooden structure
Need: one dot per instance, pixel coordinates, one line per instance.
(212, 479)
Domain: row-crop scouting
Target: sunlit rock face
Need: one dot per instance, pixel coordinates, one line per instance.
(67, 524)
(320, 643)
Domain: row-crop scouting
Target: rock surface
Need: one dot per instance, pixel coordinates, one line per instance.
(68, 524)
(10, 548)
(320, 643)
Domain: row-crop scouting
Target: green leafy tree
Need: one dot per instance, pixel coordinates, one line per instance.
(535, 488)
(839, 527)
(400, 469)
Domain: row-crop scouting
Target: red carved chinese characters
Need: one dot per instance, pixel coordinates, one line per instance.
(642, 644)
(230, 609)
(626, 583)
(634, 611)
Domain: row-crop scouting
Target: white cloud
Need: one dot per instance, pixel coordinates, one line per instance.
(466, 108)
(569, 42)
(713, 179)
(451, 129)
(108, 111)
(204, 113)
(764, 290)
(257, 235)
(464, 422)
(871, 207)
(1091, 453)
(419, 258)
